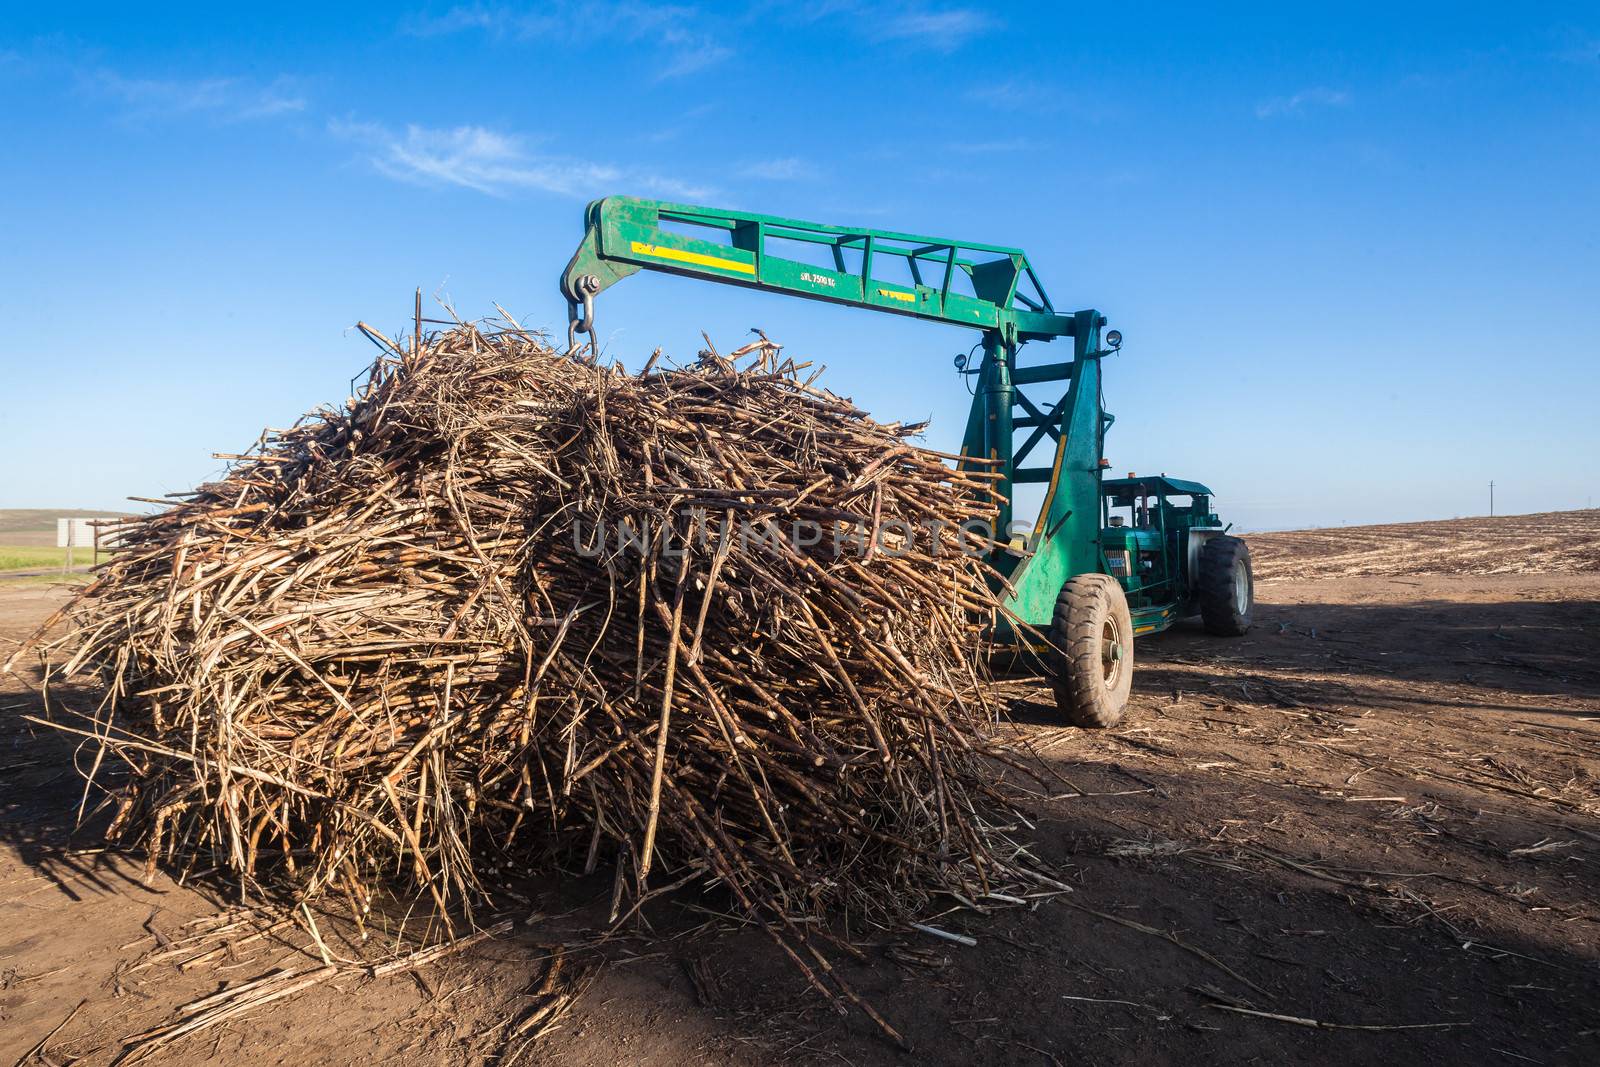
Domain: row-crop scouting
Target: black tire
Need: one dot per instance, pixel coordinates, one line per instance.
(1227, 587)
(1092, 669)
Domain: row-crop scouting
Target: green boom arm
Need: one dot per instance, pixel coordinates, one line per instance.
(990, 288)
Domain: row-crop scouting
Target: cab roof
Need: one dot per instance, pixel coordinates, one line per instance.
(1158, 483)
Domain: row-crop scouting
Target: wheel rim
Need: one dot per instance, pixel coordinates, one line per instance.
(1110, 653)
(1241, 589)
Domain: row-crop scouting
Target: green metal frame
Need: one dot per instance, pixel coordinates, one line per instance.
(978, 286)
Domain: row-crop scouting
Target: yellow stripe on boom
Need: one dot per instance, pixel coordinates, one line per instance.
(699, 259)
(895, 294)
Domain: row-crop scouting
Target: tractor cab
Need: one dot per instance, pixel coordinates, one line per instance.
(1153, 530)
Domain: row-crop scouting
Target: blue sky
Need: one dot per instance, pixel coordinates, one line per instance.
(1355, 254)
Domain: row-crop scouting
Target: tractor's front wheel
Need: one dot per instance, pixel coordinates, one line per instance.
(1227, 586)
(1092, 666)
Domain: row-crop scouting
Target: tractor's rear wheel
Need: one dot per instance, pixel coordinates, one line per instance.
(1092, 667)
(1227, 586)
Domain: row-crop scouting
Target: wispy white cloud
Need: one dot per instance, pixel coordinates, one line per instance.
(1582, 51)
(488, 161)
(227, 99)
(989, 148)
(787, 169)
(1284, 106)
(691, 54)
(562, 19)
(684, 122)
(944, 29)
(1016, 95)
(688, 38)
(456, 20)
(941, 27)
(1040, 98)
(686, 47)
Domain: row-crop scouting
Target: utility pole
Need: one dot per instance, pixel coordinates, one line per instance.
(1491, 500)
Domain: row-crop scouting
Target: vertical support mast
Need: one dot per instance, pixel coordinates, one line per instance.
(999, 400)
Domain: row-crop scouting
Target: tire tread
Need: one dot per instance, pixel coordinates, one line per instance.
(1219, 557)
(1075, 625)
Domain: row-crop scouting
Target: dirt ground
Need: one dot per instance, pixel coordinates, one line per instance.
(1551, 542)
(1379, 812)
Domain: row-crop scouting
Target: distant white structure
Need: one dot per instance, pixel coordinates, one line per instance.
(80, 533)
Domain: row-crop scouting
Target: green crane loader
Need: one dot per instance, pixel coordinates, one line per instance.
(1108, 559)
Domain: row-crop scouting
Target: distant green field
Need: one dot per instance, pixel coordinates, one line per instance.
(38, 557)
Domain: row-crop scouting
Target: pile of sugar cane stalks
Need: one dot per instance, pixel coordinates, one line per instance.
(513, 609)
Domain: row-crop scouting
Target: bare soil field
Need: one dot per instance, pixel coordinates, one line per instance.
(1367, 832)
(1551, 542)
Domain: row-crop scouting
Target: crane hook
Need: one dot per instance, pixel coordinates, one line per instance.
(587, 287)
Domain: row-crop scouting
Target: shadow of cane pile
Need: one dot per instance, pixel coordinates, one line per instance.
(510, 609)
